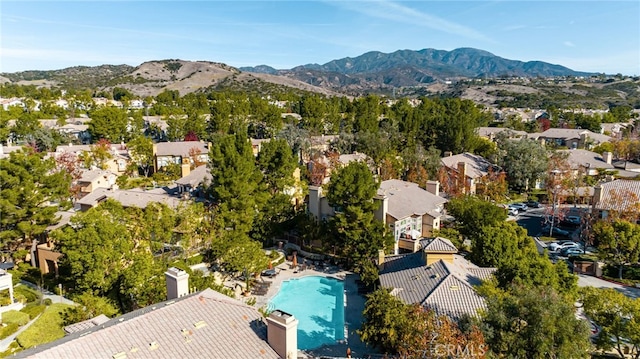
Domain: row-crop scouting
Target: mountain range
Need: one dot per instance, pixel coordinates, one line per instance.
(370, 72)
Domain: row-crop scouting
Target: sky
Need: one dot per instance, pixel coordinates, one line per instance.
(593, 36)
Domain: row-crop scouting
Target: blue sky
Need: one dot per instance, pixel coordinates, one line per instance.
(597, 36)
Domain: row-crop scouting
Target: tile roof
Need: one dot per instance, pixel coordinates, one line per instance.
(573, 133)
(180, 148)
(585, 158)
(477, 166)
(196, 177)
(442, 286)
(440, 245)
(88, 176)
(227, 328)
(86, 324)
(619, 195)
(490, 131)
(408, 199)
(128, 198)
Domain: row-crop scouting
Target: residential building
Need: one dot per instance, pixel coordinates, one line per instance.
(195, 181)
(117, 164)
(204, 324)
(91, 180)
(187, 154)
(256, 145)
(442, 286)
(465, 171)
(621, 196)
(409, 211)
(128, 198)
(571, 138)
(490, 133)
(438, 248)
(588, 162)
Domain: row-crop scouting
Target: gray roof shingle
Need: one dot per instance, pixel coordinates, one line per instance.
(408, 199)
(231, 329)
(441, 245)
(477, 166)
(619, 195)
(444, 287)
(128, 198)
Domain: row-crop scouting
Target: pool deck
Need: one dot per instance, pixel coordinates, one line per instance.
(354, 305)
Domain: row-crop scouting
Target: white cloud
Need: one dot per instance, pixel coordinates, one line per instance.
(390, 10)
(569, 44)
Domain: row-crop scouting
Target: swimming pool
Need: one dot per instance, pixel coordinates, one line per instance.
(318, 304)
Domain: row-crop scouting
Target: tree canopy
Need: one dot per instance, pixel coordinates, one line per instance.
(32, 189)
(109, 123)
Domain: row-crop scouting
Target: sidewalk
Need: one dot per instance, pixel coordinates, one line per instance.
(4, 343)
(48, 294)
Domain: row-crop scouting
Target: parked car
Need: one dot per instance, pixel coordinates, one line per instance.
(555, 246)
(512, 211)
(568, 252)
(521, 207)
(572, 220)
(533, 204)
(555, 231)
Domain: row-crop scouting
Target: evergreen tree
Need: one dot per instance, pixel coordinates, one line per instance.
(109, 123)
(235, 183)
(32, 189)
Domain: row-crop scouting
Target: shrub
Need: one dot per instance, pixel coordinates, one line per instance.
(8, 330)
(47, 302)
(27, 293)
(46, 329)
(14, 316)
(33, 309)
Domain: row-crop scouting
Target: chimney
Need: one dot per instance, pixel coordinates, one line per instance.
(607, 157)
(433, 187)
(380, 259)
(315, 202)
(448, 153)
(597, 195)
(381, 212)
(282, 334)
(177, 283)
(462, 176)
(185, 169)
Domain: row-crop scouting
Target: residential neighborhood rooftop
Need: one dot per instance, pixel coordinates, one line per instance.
(128, 198)
(201, 325)
(618, 195)
(447, 288)
(477, 166)
(407, 199)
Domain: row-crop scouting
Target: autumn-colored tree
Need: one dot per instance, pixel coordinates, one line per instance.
(450, 182)
(317, 172)
(98, 156)
(418, 174)
(191, 136)
(493, 186)
(431, 336)
(70, 163)
(194, 155)
(412, 331)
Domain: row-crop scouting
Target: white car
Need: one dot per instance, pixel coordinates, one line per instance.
(557, 247)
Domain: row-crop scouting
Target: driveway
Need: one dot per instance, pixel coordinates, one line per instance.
(589, 281)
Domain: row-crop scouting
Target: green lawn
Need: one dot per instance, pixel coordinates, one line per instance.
(46, 329)
(14, 316)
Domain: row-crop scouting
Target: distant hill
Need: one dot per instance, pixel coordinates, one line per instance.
(153, 77)
(404, 68)
(370, 72)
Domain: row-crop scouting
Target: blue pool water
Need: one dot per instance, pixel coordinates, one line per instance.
(318, 304)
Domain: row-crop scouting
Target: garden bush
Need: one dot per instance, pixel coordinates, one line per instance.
(14, 316)
(8, 330)
(33, 309)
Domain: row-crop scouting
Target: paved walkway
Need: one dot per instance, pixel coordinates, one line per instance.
(48, 294)
(589, 281)
(4, 343)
